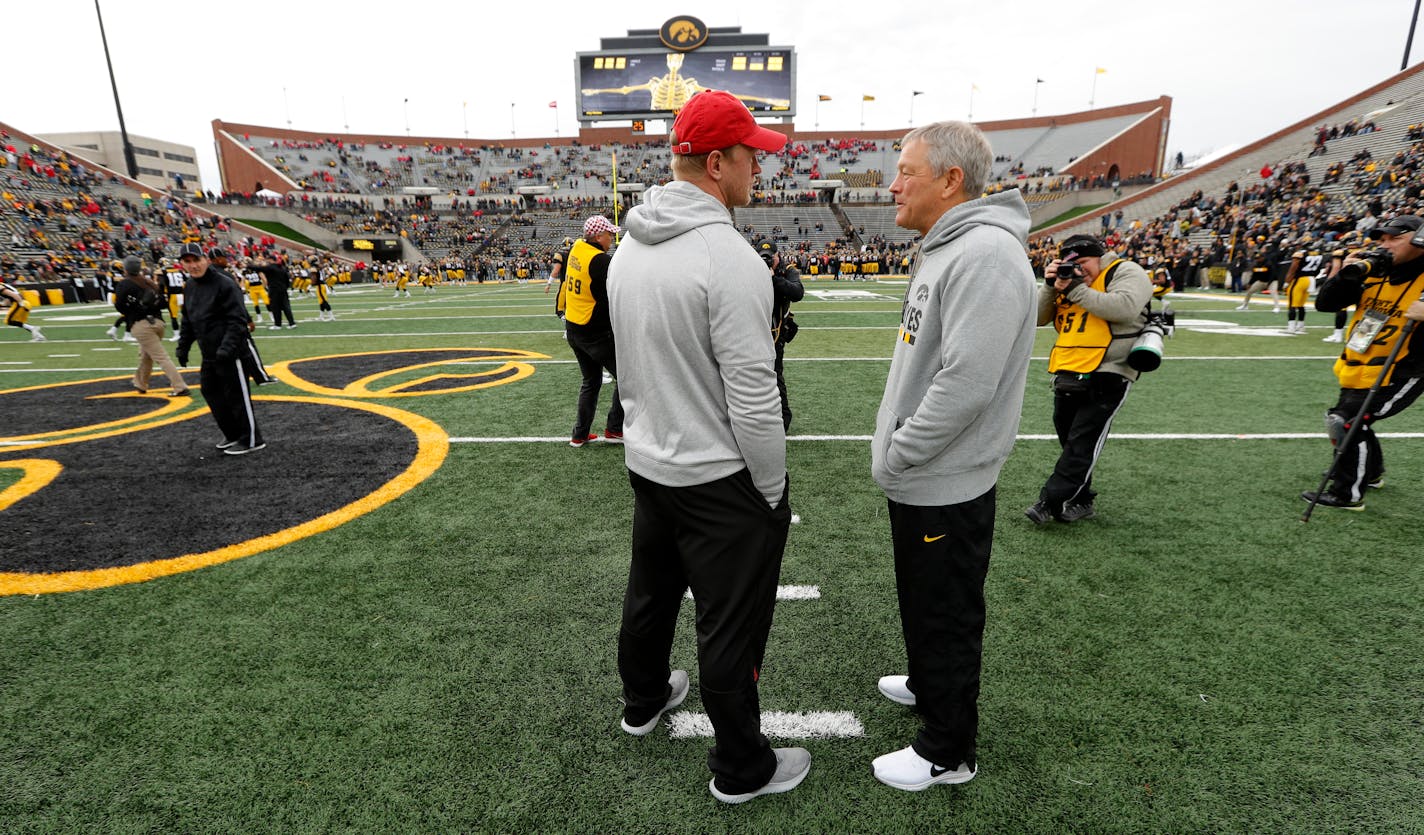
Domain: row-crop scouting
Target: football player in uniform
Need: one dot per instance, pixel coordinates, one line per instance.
(1264, 275)
(323, 300)
(1306, 263)
(18, 315)
(173, 280)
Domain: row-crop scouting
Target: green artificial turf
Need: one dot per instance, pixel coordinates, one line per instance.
(1193, 660)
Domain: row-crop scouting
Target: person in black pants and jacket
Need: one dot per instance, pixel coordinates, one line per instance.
(279, 281)
(786, 288)
(215, 317)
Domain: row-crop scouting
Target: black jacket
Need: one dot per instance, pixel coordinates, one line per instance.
(214, 316)
(137, 302)
(278, 279)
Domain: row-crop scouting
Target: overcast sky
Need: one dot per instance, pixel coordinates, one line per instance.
(1235, 70)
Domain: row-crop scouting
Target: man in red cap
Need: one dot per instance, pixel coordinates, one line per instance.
(584, 299)
(704, 444)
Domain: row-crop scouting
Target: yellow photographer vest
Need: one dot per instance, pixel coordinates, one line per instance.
(1083, 338)
(1359, 370)
(578, 288)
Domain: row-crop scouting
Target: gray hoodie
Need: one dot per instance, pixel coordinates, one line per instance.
(952, 400)
(690, 302)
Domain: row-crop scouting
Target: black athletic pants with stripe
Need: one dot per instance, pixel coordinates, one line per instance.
(941, 560)
(721, 540)
(1082, 421)
(225, 388)
(1363, 461)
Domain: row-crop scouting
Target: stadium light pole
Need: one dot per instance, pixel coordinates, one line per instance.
(129, 159)
(1409, 41)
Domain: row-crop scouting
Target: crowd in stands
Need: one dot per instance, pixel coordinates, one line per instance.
(61, 222)
(1264, 222)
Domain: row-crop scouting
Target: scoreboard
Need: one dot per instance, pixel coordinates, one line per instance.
(655, 84)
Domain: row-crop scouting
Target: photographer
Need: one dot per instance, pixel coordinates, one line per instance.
(139, 300)
(1098, 304)
(785, 289)
(1384, 284)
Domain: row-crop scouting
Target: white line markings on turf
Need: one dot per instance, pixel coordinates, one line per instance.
(785, 593)
(775, 723)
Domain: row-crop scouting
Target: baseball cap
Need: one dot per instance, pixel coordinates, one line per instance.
(1398, 225)
(132, 265)
(191, 249)
(716, 119)
(1082, 246)
(597, 224)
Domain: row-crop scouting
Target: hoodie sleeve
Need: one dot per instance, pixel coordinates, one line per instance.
(739, 305)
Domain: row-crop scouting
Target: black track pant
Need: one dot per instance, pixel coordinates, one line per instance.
(280, 303)
(1082, 421)
(594, 354)
(225, 389)
(1363, 461)
(721, 540)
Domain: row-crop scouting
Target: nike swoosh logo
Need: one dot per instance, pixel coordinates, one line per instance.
(936, 771)
(929, 538)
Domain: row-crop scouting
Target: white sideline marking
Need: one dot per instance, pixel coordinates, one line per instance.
(775, 723)
(785, 593)
(62, 356)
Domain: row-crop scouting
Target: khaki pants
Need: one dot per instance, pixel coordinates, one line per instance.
(150, 350)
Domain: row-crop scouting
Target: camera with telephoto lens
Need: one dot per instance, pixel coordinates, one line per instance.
(1146, 352)
(1372, 261)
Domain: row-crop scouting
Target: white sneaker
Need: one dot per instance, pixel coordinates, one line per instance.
(897, 690)
(792, 766)
(1243, 306)
(173, 338)
(274, 327)
(128, 337)
(37, 336)
(1334, 337)
(904, 769)
(678, 682)
(113, 333)
(795, 518)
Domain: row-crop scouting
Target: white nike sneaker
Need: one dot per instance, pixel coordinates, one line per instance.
(905, 769)
(896, 689)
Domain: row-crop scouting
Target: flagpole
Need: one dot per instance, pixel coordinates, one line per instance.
(465, 116)
(818, 111)
(913, 94)
(862, 111)
(615, 188)
(556, 118)
(972, 88)
(512, 133)
(1036, 84)
(1093, 96)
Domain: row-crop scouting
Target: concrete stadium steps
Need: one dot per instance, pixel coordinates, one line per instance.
(1293, 146)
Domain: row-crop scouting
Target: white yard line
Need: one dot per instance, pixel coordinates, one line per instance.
(775, 723)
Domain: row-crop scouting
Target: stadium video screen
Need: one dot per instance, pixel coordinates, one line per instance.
(623, 85)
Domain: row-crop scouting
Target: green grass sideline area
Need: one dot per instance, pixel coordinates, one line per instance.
(1194, 660)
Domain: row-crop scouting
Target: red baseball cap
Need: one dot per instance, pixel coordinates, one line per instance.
(716, 119)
